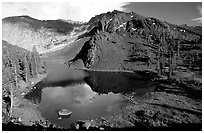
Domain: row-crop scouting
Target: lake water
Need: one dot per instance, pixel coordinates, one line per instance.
(88, 94)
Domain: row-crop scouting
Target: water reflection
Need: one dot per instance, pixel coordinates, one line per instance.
(86, 93)
(78, 98)
(119, 82)
(98, 82)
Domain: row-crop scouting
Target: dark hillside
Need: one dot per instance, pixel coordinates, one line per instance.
(122, 40)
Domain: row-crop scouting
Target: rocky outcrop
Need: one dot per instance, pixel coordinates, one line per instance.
(88, 53)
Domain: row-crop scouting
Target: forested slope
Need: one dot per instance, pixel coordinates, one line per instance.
(18, 65)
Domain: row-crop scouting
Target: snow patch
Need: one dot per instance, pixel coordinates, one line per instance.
(134, 29)
(183, 30)
(122, 25)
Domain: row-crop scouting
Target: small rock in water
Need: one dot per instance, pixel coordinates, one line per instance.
(23, 93)
(64, 112)
(59, 118)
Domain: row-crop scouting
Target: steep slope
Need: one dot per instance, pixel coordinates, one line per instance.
(120, 40)
(25, 32)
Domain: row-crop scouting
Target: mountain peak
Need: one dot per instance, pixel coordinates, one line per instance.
(112, 21)
(117, 11)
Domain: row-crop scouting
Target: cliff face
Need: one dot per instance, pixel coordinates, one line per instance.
(120, 40)
(26, 32)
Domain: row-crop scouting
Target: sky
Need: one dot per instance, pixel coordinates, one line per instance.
(173, 12)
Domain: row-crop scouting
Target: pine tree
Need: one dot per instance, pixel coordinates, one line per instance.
(32, 65)
(161, 45)
(171, 45)
(26, 70)
(36, 58)
(158, 59)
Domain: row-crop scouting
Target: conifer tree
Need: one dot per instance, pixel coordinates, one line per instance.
(36, 58)
(26, 65)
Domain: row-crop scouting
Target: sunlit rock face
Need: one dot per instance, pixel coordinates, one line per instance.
(25, 32)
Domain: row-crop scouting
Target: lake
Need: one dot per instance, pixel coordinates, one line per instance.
(88, 94)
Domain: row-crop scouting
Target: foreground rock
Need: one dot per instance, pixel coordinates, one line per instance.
(64, 113)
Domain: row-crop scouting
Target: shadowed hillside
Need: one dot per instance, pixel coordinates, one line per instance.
(120, 40)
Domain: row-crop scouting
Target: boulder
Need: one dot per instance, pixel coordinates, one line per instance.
(86, 125)
(75, 126)
(101, 128)
(64, 113)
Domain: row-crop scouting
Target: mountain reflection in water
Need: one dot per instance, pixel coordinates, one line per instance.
(99, 82)
(86, 93)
